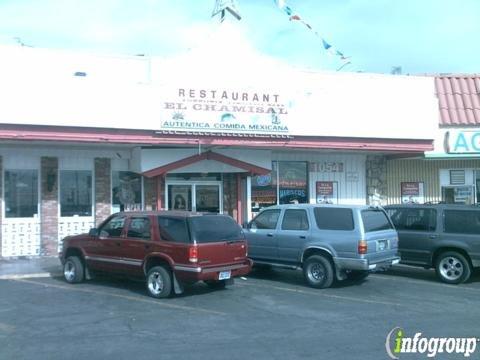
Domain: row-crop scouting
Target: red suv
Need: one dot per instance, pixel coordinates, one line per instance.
(168, 248)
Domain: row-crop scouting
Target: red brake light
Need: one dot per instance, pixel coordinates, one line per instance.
(193, 254)
(362, 247)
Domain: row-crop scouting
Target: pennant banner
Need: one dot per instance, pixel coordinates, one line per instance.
(281, 4)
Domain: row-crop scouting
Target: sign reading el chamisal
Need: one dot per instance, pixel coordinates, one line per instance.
(224, 111)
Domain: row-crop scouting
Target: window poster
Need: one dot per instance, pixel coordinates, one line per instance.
(412, 192)
(327, 192)
(179, 197)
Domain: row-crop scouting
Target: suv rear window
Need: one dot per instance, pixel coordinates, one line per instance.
(375, 220)
(334, 218)
(462, 221)
(214, 228)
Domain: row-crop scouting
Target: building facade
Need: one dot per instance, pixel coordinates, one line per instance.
(83, 137)
(451, 172)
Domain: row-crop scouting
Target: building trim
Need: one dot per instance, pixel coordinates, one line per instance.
(145, 137)
(208, 155)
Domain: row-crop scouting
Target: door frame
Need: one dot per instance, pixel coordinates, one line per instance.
(193, 185)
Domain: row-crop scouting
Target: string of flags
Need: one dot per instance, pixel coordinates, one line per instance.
(222, 6)
(281, 4)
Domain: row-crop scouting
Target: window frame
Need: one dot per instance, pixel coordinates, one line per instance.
(262, 213)
(92, 193)
(332, 208)
(38, 189)
(444, 217)
(173, 241)
(107, 221)
(305, 212)
(130, 220)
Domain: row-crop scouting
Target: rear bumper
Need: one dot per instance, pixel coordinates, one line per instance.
(365, 264)
(198, 273)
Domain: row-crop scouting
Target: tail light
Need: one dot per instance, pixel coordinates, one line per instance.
(362, 247)
(193, 254)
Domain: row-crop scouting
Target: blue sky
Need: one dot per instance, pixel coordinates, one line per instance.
(422, 36)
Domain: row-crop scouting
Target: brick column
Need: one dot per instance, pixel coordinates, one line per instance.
(49, 206)
(103, 201)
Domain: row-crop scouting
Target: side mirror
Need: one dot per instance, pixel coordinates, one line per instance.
(93, 232)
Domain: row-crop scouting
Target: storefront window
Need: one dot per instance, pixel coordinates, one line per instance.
(292, 177)
(126, 191)
(457, 194)
(21, 193)
(75, 193)
(286, 184)
(264, 190)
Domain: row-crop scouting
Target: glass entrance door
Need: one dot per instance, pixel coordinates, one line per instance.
(207, 198)
(193, 196)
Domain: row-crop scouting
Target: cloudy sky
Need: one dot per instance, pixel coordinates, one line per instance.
(421, 36)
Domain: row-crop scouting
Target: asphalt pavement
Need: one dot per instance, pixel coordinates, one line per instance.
(271, 314)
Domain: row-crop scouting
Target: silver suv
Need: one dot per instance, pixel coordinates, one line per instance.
(326, 241)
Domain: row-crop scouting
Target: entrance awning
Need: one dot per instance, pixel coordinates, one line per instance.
(208, 155)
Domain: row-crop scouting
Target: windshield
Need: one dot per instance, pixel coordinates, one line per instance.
(214, 228)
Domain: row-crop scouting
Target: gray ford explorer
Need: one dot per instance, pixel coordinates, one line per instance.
(445, 237)
(325, 241)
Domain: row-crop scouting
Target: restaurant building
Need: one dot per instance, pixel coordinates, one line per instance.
(84, 136)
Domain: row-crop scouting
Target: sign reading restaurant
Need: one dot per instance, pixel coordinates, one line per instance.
(221, 110)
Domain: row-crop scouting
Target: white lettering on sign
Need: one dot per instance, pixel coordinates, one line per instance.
(462, 142)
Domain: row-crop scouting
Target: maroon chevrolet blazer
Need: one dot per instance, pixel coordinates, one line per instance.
(167, 248)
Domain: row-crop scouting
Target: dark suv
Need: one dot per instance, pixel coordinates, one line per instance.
(446, 237)
(168, 248)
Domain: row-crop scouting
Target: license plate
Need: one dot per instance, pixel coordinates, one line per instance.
(382, 245)
(224, 275)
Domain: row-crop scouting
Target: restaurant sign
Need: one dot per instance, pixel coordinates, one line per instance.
(224, 111)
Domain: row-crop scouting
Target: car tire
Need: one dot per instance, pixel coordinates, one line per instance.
(73, 270)
(358, 275)
(159, 282)
(216, 284)
(318, 271)
(452, 267)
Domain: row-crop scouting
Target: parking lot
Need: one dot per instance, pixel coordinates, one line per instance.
(269, 315)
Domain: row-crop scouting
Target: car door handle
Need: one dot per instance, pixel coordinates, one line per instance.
(270, 234)
(302, 237)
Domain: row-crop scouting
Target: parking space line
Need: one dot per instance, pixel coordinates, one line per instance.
(339, 297)
(25, 276)
(425, 282)
(126, 297)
